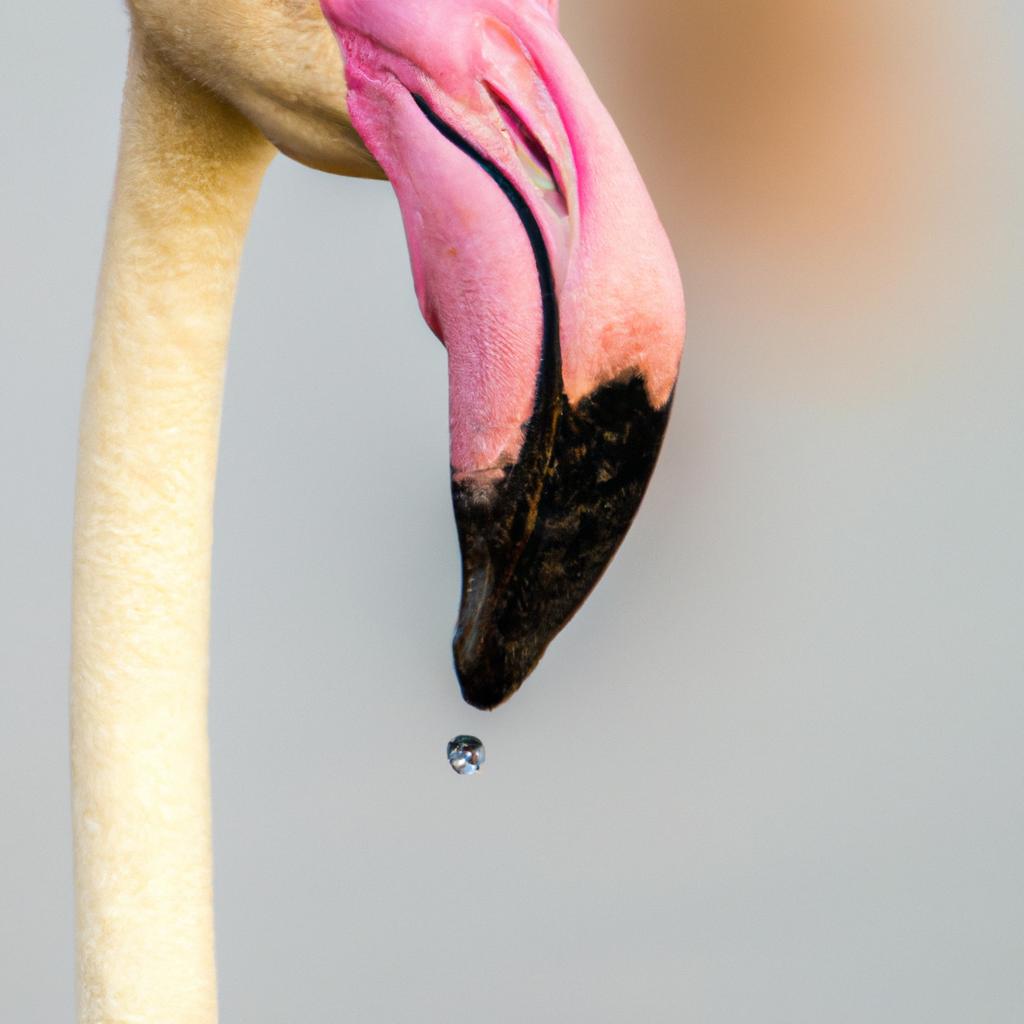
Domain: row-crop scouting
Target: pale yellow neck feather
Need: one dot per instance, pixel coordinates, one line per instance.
(188, 174)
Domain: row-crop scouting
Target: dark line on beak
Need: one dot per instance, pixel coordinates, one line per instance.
(515, 517)
(551, 355)
(538, 448)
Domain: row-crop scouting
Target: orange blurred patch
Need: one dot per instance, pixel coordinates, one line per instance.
(791, 118)
(798, 151)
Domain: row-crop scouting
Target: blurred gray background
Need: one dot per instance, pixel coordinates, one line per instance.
(773, 772)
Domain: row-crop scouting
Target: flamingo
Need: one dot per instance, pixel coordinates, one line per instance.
(538, 259)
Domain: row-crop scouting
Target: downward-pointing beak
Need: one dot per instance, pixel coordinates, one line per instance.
(540, 262)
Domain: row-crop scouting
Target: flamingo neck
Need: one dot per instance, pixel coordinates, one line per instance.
(189, 170)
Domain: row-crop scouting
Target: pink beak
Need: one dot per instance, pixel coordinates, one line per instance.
(540, 262)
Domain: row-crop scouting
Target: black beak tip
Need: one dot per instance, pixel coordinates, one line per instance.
(533, 551)
(492, 672)
(482, 690)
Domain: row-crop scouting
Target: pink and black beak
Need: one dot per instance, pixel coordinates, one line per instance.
(540, 262)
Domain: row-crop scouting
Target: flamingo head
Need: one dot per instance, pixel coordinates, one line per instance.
(539, 261)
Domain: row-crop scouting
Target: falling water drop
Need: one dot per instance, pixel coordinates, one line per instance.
(466, 755)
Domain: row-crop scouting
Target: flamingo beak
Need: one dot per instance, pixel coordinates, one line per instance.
(540, 262)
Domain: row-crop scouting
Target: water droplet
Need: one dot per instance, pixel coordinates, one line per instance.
(466, 754)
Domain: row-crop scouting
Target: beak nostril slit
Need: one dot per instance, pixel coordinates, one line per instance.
(528, 145)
